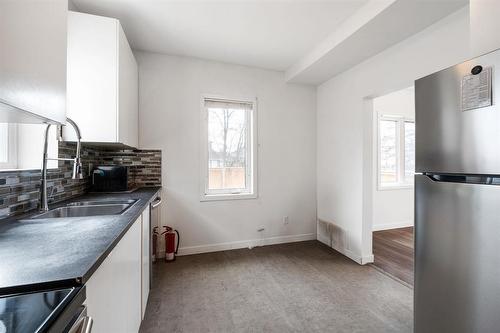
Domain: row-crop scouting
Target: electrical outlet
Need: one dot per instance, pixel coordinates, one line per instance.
(286, 220)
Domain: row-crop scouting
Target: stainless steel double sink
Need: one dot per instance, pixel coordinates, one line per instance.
(88, 208)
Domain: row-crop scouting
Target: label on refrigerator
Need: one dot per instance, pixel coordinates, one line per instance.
(476, 90)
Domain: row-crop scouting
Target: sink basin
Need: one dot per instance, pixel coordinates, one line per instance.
(88, 208)
(102, 203)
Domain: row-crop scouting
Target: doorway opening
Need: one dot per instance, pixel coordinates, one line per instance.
(392, 188)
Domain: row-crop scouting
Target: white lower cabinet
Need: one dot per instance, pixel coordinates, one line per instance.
(114, 290)
(145, 260)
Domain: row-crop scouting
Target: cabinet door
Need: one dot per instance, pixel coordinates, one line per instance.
(33, 43)
(102, 81)
(128, 90)
(114, 290)
(92, 76)
(146, 234)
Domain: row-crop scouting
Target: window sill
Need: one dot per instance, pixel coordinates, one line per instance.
(224, 197)
(395, 187)
(10, 170)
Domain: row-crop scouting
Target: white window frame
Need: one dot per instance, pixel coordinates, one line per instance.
(11, 164)
(252, 152)
(400, 157)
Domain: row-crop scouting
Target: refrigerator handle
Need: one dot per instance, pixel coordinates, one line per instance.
(466, 179)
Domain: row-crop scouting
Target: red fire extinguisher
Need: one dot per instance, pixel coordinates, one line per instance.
(170, 247)
(155, 244)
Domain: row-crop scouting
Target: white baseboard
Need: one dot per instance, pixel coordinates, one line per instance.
(187, 250)
(394, 225)
(362, 260)
(367, 259)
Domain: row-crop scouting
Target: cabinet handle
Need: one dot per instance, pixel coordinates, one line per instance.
(87, 325)
(83, 324)
(156, 203)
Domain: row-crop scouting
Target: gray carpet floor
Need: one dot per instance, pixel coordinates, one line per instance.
(296, 287)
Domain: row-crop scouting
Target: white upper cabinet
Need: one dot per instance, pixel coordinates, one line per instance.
(102, 95)
(33, 42)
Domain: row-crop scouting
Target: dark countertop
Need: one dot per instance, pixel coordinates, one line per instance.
(60, 252)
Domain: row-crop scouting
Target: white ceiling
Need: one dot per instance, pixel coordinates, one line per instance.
(271, 34)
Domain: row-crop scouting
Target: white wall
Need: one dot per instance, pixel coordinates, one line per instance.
(344, 126)
(392, 208)
(170, 89)
(485, 24)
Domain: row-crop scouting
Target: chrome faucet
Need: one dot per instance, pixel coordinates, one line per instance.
(77, 163)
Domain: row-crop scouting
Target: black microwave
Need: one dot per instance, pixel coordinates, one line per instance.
(110, 179)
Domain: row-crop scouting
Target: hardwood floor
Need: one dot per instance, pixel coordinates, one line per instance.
(393, 251)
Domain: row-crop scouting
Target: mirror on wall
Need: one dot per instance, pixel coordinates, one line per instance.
(21, 146)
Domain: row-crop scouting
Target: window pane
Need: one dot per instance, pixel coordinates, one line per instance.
(227, 148)
(388, 152)
(409, 151)
(4, 143)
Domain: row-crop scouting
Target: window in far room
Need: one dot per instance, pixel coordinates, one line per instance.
(8, 146)
(396, 151)
(228, 149)
(21, 146)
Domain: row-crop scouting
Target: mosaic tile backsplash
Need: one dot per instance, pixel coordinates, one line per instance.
(144, 166)
(20, 190)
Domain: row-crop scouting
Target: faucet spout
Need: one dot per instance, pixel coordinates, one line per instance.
(43, 186)
(77, 163)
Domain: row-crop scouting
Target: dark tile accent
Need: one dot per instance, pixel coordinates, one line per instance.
(144, 165)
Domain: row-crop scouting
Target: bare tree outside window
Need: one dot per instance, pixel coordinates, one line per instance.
(388, 151)
(409, 167)
(396, 151)
(227, 148)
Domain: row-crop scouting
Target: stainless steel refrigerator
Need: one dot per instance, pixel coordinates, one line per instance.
(457, 198)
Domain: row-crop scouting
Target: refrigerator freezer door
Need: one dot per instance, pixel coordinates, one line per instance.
(457, 257)
(452, 137)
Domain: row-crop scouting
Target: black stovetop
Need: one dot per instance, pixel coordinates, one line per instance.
(32, 312)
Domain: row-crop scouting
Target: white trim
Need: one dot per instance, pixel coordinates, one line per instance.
(224, 197)
(393, 225)
(187, 250)
(252, 154)
(369, 259)
(362, 260)
(395, 187)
